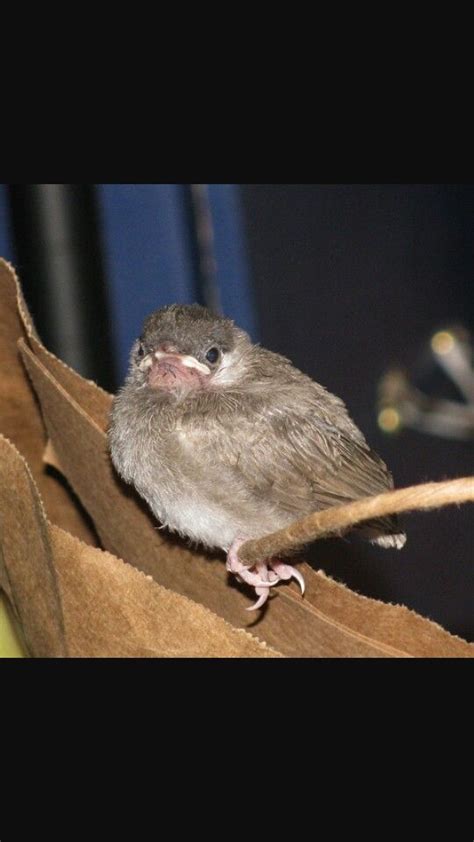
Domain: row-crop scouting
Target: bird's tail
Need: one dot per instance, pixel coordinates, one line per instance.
(397, 541)
(385, 532)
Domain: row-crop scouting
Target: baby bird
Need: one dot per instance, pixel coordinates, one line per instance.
(228, 441)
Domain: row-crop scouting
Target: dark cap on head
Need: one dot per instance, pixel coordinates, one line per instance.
(191, 328)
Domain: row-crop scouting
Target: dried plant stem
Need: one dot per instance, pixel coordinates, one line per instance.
(339, 519)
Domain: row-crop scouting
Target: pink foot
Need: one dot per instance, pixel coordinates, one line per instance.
(235, 566)
(269, 573)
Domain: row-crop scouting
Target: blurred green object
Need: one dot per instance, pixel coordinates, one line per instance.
(11, 645)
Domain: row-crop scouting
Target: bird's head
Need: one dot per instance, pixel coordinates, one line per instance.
(186, 347)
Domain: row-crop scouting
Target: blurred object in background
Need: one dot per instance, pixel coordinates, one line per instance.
(402, 404)
(12, 644)
(147, 244)
(6, 238)
(95, 260)
(350, 280)
(168, 243)
(59, 259)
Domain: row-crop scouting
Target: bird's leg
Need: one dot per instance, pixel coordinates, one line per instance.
(268, 573)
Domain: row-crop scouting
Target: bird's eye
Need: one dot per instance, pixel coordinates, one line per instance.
(212, 355)
(140, 351)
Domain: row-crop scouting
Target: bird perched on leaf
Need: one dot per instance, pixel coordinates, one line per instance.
(228, 441)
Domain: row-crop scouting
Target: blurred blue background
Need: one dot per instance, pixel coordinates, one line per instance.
(154, 257)
(104, 256)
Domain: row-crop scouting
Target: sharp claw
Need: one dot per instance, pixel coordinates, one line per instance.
(261, 600)
(299, 578)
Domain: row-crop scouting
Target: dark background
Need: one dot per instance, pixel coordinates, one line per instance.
(346, 280)
(351, 279)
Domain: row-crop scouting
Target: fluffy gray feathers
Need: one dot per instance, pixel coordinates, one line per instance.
(244, 451)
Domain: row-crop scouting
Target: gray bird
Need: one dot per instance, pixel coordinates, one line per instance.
(228, 441)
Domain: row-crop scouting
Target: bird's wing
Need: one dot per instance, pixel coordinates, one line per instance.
(298, 459)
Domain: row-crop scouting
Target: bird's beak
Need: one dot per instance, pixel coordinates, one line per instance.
(184, 359)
